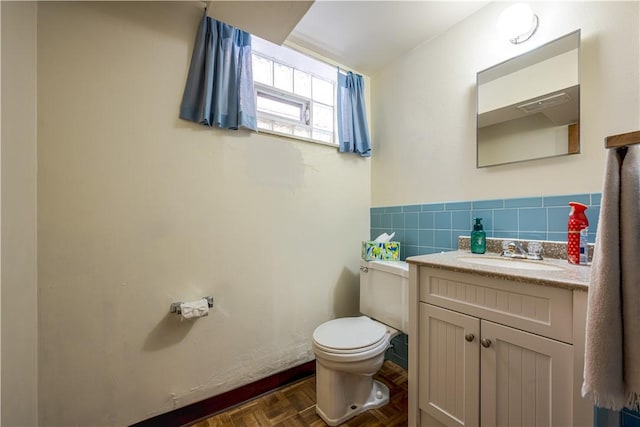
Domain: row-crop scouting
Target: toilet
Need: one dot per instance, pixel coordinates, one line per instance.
(350, 350)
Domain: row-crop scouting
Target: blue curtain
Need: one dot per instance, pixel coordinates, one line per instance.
(353, 133)
(219, 89)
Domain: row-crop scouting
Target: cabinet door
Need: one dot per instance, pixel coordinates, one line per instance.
(449, 366)
(526, 380)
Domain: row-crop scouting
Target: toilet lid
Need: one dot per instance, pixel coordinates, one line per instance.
(349, 333)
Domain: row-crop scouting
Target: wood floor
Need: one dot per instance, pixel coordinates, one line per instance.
(294, 406)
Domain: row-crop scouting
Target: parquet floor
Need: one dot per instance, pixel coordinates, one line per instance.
(294, 406)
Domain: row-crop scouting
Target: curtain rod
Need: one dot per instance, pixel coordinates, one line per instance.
(345, 72)
(622, 140)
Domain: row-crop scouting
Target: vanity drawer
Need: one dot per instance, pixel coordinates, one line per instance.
(543, 310)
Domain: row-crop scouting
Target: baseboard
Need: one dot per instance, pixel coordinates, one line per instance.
(208, 407)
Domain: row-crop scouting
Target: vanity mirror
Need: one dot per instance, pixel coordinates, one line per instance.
(529, 106)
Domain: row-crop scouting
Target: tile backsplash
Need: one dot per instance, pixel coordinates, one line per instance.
(435, 227)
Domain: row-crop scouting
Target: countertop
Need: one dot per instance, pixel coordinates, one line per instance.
(570, 276)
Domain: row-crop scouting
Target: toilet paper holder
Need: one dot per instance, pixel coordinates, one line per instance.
(175, 306)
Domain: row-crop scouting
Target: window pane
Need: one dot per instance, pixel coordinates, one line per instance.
(283, 128)
(322, 136)
(322, 91)
(302, 83)
(263, 124)
(301, 131)
(262, 70)
(295, 93)
(322, 117)
(283, 77)
(279, 108)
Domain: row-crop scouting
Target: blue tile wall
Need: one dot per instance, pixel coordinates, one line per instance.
(435, 227)
(398, 352)
(607, 418)
(630, 418)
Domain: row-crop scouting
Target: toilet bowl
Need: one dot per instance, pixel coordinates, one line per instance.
(349, 351)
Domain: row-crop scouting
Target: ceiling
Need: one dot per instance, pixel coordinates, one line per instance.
(365, 35)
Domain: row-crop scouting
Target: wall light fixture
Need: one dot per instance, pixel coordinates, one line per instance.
(517, 23)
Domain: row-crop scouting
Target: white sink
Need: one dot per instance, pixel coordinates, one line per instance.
(510, 263)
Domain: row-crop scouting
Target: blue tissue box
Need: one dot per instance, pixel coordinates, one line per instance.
(388, 251)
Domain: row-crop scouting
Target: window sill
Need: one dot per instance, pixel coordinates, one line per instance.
(296, 138)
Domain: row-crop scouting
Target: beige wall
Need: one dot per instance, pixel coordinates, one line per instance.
(137, 209)
(424, 107)
(18, 249)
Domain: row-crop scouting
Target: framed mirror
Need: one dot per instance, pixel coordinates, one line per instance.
(529, 106)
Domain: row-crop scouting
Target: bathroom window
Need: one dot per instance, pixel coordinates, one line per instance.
(295, 94)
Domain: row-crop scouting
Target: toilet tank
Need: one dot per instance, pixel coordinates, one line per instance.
(384, 292)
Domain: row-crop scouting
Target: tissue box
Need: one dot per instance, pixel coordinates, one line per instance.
(388, 251)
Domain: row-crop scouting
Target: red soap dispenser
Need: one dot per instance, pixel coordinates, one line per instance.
(577, 229)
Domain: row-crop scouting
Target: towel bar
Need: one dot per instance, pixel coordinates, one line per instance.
(622, 140)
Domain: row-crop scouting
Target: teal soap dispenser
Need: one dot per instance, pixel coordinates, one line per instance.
(478, 238)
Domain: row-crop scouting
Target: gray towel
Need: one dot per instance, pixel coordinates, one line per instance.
(612, 356)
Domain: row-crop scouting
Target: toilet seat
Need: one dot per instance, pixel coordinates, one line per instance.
(350, 335)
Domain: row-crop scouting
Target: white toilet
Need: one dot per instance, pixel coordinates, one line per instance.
(349, 351)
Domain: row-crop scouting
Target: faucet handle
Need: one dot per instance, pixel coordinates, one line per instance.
(507, 248)
(534, 249)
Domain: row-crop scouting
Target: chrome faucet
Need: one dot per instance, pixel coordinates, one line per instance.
(513, 249)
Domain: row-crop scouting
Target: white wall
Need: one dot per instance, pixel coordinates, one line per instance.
(424, 107)
(19, 262)
(138, 209)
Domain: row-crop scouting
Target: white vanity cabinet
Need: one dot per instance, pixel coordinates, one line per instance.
(488, 351)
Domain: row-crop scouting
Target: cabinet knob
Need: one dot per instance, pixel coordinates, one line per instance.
(469, 337)
(486, 343)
